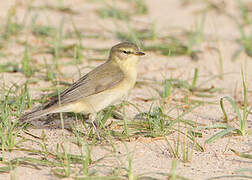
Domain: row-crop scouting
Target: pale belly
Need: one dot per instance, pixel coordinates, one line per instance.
(97, 102)
(102, 100)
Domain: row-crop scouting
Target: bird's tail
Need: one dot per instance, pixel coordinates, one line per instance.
(36, 114)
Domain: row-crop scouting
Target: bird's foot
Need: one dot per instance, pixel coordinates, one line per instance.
(92, 118)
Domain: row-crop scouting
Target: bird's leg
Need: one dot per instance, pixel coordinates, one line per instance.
(92, 118)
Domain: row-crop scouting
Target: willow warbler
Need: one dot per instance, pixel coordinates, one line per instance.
(101, 87)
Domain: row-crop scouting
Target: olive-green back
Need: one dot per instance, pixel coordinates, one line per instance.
(101, 78)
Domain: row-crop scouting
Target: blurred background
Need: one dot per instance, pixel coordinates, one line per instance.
(60, 34)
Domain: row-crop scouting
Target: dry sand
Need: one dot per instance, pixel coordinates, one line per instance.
(150, 155)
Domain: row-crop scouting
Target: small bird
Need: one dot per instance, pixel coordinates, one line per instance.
(101, 87)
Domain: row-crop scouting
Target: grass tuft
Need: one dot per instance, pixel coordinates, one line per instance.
(26, 62)
(228, 129)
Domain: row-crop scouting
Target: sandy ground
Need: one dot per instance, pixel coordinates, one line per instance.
(151, 155)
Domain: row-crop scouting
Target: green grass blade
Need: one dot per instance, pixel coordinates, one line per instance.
(5, 169)
(243, 121)
(243, 155)
(195, 78)
(234, 106)
(224, 111)
(220, 135)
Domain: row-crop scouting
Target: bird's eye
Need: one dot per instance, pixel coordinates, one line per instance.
(127, 52)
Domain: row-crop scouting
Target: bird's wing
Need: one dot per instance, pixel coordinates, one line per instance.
(102, 78)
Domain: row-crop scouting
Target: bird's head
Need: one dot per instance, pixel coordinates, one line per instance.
(125, 53)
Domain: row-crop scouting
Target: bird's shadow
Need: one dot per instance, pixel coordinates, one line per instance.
(55, 121)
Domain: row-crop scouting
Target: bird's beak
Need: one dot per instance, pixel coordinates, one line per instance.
(139, 53)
